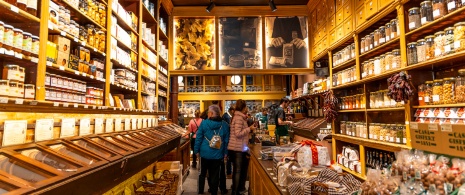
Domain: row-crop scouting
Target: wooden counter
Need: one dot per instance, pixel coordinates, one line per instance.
(262, 179)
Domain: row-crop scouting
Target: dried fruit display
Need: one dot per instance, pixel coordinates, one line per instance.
(330, 106)
(400, 88)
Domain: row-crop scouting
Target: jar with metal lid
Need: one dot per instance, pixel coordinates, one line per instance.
(4, 88)
(377, 66)
(13, 90)
(421, 95)
(393, 133)
(421, 50)
(376, 131)
(362, 45)
(388, 61)
(352, 51)
(383, 132)
(382, 63)
(382, 35)
(452, 5)
(429, 92)
(342, 128)
(402, 134)
(371, 67)
(376, 36)
(388, 31)
(59, 81)
(358, 129)
(364, 69)
(387, 99)
(437, 91)
(371, 128)
(439, 8)
(27, 43)
(339, 78)
(394, 29)
(22, 74)
(31, 7)
(414, 20)
(11, 72)
(439, 43)
(412, 53)
(460, 87)
(8, 37)
(20, 92)
(21, 4)
(395, 59)
(17, 40)
(449, 40)
(372, 41)
(35, 45)
(377, 100)
(448, 94)
(350, 103)
(430, 47)
(459, 36)
(367, 43)
(426, 11)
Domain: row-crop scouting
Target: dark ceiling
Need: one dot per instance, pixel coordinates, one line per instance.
(237, 2)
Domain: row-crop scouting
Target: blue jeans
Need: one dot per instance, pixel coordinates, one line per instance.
(240, 162)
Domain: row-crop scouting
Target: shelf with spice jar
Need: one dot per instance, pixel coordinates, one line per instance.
(81, 13)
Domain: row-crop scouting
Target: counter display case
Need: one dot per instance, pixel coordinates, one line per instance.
(96, 149)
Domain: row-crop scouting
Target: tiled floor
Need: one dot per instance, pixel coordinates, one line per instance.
(190, 185)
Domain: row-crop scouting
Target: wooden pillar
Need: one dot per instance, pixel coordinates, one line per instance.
(173, 112)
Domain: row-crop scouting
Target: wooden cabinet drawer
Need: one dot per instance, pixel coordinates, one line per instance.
(332, 37)
(360, 16)
(359, 3)
(331, 22)
(347, 10)
(331, 4)
(339, 32)
(383, 3)
(339, 4)
(371, 7)
(313, 20)
(324, 44)
(339, 17)
(348, 26)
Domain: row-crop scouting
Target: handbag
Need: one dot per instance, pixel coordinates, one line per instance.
(191, 135)
(215, 142)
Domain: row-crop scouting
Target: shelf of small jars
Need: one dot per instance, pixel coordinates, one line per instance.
(147, 17)
(164, 86)
(149, 47)
(354, 83)
(15, 58)
(386, 109)
(78, 16)
(344, 65)
(93, 50)
(116, 64)
(75, 74)
(381, 76)
(160, 95)
(356, 110)
(386, 47)
(146, 93)
(442, 106)
(124, 46)
(438, 61)
(13, 13)
(371, 143)
(358, 175)
(123, 24)
(148, 62)
(439, 24)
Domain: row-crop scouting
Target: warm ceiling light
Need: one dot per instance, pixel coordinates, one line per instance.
(236, 79)
(210, 6)
(272, 6)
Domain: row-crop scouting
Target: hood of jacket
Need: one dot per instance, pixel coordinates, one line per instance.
(213, 125)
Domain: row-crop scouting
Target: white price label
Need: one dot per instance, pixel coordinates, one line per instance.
(19, 101)
(84, 74)
(451, 5)
(66, 105)
(370, 136)
(447, 48)
(43, 130)
(109, 125)
(14, 132)
(98, 126)
(83, 43)
(446, 127)
(35, 60)
(55, 104)
(86, 106)
(91, 76)
(62, 68)
(63, 33)
(33, 103)
(95, 50)
(392, 35)
(436, 13)
(49, 63)
(457, 44)
(133, 123)
(76, 40)
(387, 38)
(14, 9)
(75, 105)
(127, 124)
(381, 41)
(398, 140)
(435, 98)
(423, 20)
(411, 25)
(433, 127)
(3, 100)
(76, 72)
(84, 127)
(18, 55)
(93, 107)
(139, 123)
(118, 125)
(67, 127)
(104, 54)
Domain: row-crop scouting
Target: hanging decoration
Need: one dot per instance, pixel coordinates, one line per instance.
(330, 106)
(400, 87)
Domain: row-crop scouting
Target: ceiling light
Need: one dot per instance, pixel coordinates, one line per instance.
(210, 6)
(236, 79)
(272, 6)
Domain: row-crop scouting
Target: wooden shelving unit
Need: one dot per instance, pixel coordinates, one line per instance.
(358, 175)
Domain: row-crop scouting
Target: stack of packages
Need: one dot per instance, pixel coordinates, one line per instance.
(417, 173)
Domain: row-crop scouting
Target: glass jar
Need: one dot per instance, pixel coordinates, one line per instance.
(395, 59)
(394, 29)
(421, 50)
(378, 99)
(430, 47)
(388, 61)
(11, 72)
(27, 43)
(439, 8)
(17, 40)
(382, 35)
(426, 11)
(4, 88)
(32, 7)
(35, 45)
(377, 66)
(421, 95)
(439, 43)
(342, 128)
(352, 51)
(402, 134)
(414, 20)
(372, 100)
(339, 78)
(351, 105)
(22, 74)
(372, 131)
(13, 90)
(371, 67)
(364, 70)
(429, 92)
(437, 91)
(388, 31)
(448, 94)
(449, 40)
(382, 63)
(21, 4)
(452, 5)
(383, 132)
(393, 133)
(460, 87)
(29, 91)
(8, 37)
(376, 38)
(363, 45)
(459, 36)
(371, 41)
(412, 53)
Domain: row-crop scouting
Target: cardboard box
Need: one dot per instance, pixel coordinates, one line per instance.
(63, 59)
(53, 11)
(64, 44)
(426, 136)
(452, 137)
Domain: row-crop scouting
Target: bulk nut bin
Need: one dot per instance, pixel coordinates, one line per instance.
(448, 96)
(412, 53)
(460, 87)
(430, 47)
(426, 12)
(388, 31)
(429, 92)
(459, 36)
(437, 91)
(421, 50)
(414, 20)
(395, 59)
(388, 61)
(449, 40)
(439, 43)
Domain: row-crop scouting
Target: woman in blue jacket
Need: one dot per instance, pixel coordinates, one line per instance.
(211, 158)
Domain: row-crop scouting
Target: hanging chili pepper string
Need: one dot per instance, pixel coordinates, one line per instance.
(400, 87)
(330, 106)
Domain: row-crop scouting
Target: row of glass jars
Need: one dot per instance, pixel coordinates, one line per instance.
(394, 133)
(451, 40)
(380, 36)
(381, 64)
(345, 54)
(19, 41)
(443, 91)
(430, 11)
(15, 89)
(380, 99)
(344, 76)
(355, 129)
(353, 102)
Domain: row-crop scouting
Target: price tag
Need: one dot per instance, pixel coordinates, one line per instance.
(43, 130)
(86, 106)
(109, 125)
(118, 125)
(93, 107)
(104, 54)
(67, 127)
(95, 50)
(144, 123)
(14, 9)
(271, 174)
(411, 25)
(49, 63)
(76, 40)
(133, 124)
(139, 123)
(55, 104)
(83, 43)
(75, 105)
(275, 178)
(447, 48)
(436, 13)
(269, 169)
(19, 101)
(4, 100)
(91, 76)
(62, 68)
(98, 126)
(127, 124)
(14, 132)
(76, 72)
(50, 25)
(84, 126)
(456, 44)
(84, 74)
(35, 60)
(66, 105)
(33, 103)
(18, 55)
(451, 5)
(446, 127)
(433, 127)
(423, 20)
(63, 33)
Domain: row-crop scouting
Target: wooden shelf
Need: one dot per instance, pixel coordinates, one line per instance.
(321, 55)
(310, 95)
(348, 84)
(352, 172)
(162, 35)
(162, 73)
(386, 47)
(20, 61)
(370, 143)
(146, 94)
(147, 17)
(370, 79)
(163, 86)
(146, 77)
(79, 16)
(75, 40)
(439, 61)
(340, 42)
(12, 14)
(149, 63)
(116, 64)
(75, 74)
(442, 106)
(344, 65)
(359, 110)
(124, 46)
(162, 61)
(386, 109)
(149, 47)
(123, 24)
(123, 88)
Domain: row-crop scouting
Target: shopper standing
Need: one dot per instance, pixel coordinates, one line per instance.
(280, 120)
(227, 117)
(194, 125)
(211, 146)
(238, 149)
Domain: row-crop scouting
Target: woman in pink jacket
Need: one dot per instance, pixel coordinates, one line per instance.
(237, 147)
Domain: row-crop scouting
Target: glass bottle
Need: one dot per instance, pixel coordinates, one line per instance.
(376, 38)
(459, 36)
(414, 20)
(448, 88)
(437, 91)
(439, 8)
(412, 53)
(388, 61)
(394, 29)
(421, 50)
(439, 43)
(388, 31)
(382, 35)
(395, 59)
(429, 92)
(362, 45)
(426, 11)
(429, 47)
(449, 40)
